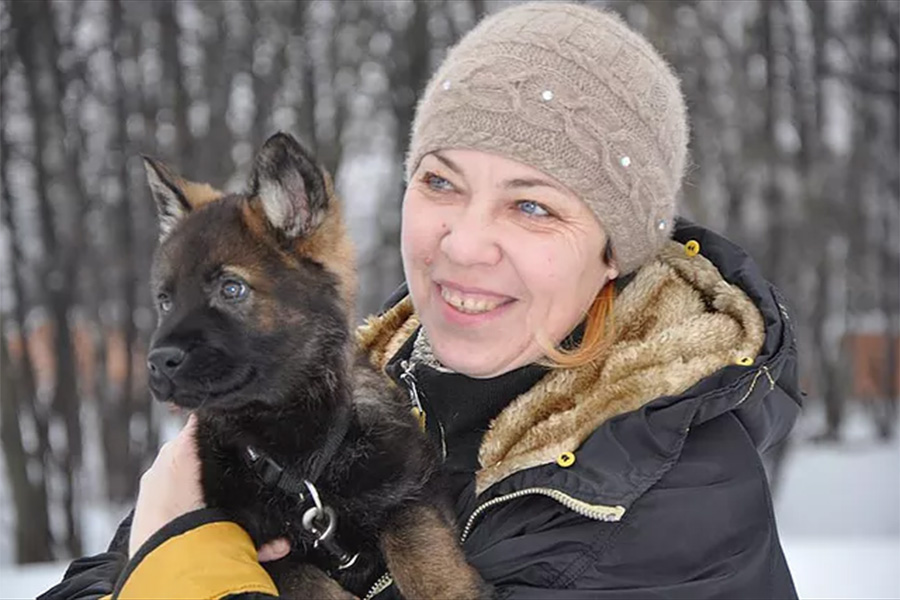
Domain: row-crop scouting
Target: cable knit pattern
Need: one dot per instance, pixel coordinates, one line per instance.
(573, 92)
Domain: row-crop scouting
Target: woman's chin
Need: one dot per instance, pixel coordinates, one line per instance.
(477, 360)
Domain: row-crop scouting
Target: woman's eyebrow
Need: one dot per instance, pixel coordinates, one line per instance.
(449, 163)
(516, 183)
(527, 182)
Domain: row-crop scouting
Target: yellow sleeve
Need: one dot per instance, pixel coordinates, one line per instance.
(196, 556)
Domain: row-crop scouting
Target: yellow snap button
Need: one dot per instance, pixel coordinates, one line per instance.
(692, 248)
(745, 361)
(566, 459)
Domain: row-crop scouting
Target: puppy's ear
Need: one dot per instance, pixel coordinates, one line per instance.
(174, 196)
(171, 203)
(289, 185)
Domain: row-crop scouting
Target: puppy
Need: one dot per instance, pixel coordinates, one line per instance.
(297, 436)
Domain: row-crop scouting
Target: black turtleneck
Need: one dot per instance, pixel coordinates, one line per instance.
(459, 409)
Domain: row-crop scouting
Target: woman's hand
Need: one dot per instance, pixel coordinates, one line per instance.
(171, 488)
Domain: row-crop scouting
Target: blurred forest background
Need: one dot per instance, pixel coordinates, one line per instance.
(796, 140)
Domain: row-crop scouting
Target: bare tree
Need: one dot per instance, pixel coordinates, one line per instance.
(18, 396)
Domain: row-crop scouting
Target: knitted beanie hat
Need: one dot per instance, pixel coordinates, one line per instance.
(573, 92)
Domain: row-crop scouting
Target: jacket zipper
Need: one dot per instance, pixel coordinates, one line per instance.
(598, 512)
(383, 583)
(409, 378)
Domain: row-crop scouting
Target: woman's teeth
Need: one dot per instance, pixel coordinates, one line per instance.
(468, 304)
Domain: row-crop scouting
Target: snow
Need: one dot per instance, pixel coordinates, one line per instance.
(838, 513)
(863, 501)
(844, 567)
(29, 580)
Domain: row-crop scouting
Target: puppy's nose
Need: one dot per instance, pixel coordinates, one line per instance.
(165, 360)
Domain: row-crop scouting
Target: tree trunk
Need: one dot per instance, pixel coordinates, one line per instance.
(306, 111)
(33, 540)
(478, 10)
(174, 81)
(218, 164)
(773, 199)
(330, 150)
(408, 76)
(35, 31)
(124, 484)
(25, 388)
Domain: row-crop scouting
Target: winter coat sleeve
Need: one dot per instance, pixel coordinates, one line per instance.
(88, 578)
(705, 530)
(198, 555)
(94, 577)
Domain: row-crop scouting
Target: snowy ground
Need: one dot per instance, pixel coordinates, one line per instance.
(838, 513)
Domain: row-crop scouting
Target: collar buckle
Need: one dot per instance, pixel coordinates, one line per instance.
(264, 466)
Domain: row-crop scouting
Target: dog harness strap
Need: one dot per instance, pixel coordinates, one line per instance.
(274, 475)
(292, 484)
(333, 441)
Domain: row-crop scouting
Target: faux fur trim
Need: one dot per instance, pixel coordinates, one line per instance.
(677, 322)
(382, 336)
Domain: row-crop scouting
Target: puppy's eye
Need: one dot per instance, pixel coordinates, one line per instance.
(233, 290)
(164, 303)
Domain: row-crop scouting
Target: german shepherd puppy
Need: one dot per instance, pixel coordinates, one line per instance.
(254, 293)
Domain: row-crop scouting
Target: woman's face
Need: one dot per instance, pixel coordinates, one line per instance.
(498, 257)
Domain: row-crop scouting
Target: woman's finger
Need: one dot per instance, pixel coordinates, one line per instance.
(188, 433)
(278, 548)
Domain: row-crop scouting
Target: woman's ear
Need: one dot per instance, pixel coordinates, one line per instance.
(609, 259)
(613, 272)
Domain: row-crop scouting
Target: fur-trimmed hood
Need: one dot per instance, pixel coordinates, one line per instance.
(698, 332)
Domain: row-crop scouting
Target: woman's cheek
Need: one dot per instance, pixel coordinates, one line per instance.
(420, 232)
(431, 225)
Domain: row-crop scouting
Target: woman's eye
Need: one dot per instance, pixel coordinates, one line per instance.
(532, 208)
(164, 303)
(437, 183)
(232, 289)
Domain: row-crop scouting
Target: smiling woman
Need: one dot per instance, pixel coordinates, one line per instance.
(599, 378)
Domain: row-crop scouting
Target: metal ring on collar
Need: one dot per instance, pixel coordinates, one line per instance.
(314, 494)
(348, 563)
(310, 517)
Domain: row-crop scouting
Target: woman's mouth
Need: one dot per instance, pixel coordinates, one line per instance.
(471, 303)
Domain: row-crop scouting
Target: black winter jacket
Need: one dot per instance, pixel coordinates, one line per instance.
(661, 497)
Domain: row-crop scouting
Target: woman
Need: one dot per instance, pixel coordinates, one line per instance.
(600, 378)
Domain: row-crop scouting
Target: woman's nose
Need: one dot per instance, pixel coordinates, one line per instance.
(471, 238)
